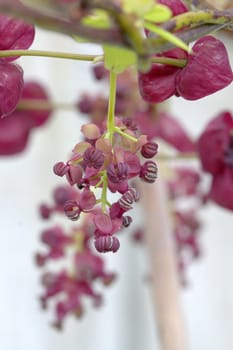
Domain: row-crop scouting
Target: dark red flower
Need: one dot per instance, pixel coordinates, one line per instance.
(207, 71)
(177, 6)
(215, 147)
(14, 134)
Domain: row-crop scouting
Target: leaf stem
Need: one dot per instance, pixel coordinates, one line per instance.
(111, 106)
(179, 156)
(127, 136)
(170, 61)
(50, 54)
(43, 105)
(104, 200)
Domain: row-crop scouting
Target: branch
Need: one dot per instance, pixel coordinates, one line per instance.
(164, 284)
(124, 32)
(62, 25)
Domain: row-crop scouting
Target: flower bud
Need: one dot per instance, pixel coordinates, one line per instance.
(128, 198)
(107, 243)
(11, 87)
(60, 169)
(149, 172)
(72, 210)
(127, 220)
(149, 149)
(93, 157)
(117, 172)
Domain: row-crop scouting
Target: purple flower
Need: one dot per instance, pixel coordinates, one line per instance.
(207, 71)
(14, 134)
(33, 90)
(149, 171)
(11, 87)
(117, 172)
(15, 35)
(93, 157)
(215, 147)
(177, 6)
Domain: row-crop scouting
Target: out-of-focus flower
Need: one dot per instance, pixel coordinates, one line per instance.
(215, 147)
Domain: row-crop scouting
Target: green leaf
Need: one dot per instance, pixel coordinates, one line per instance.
(118, 59)
(138, 7)
(158, 14)
(167, 36)
(98, 19)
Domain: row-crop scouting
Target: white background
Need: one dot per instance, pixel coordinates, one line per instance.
(125, 321)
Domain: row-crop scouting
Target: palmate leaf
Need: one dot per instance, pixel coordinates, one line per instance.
(118, 59)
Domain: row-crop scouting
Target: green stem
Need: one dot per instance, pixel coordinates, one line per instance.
(111, 106)
(179, 156)
(170, 61)
(104, 200)
(43, 105)
(109, 133)
(127, 136)
(51, 54)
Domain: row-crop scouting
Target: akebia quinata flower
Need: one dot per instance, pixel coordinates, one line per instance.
(207, 71)
(14, 35)
(176, 6)
(215, 147)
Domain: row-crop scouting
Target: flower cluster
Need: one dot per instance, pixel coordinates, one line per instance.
(185, 201)
(84, 267)
(108, 162)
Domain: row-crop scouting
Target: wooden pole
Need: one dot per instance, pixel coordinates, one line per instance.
(164, 283)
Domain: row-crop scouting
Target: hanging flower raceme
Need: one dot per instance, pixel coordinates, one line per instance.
(96, 162)
(83, 267)
(207, 71)
(215, 147)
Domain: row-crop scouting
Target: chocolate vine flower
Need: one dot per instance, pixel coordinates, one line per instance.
(11, 87)
(70, 285)
(35, 91)
(207, 71)
(215, 147)
(14, 134)
(15, 35)
(176, 6)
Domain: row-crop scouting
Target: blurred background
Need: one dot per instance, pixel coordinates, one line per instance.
(126, 319)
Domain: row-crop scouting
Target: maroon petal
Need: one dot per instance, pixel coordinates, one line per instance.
(74, 174)
(15, 35)
(34, 90)
(170, 130)
(133, 163)
(177, 6)
(158, 84)
(11, 86)
(103, 223)
(87, 199)
(214, 142)
(208, 70)
(14, 133)
(222, 189)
